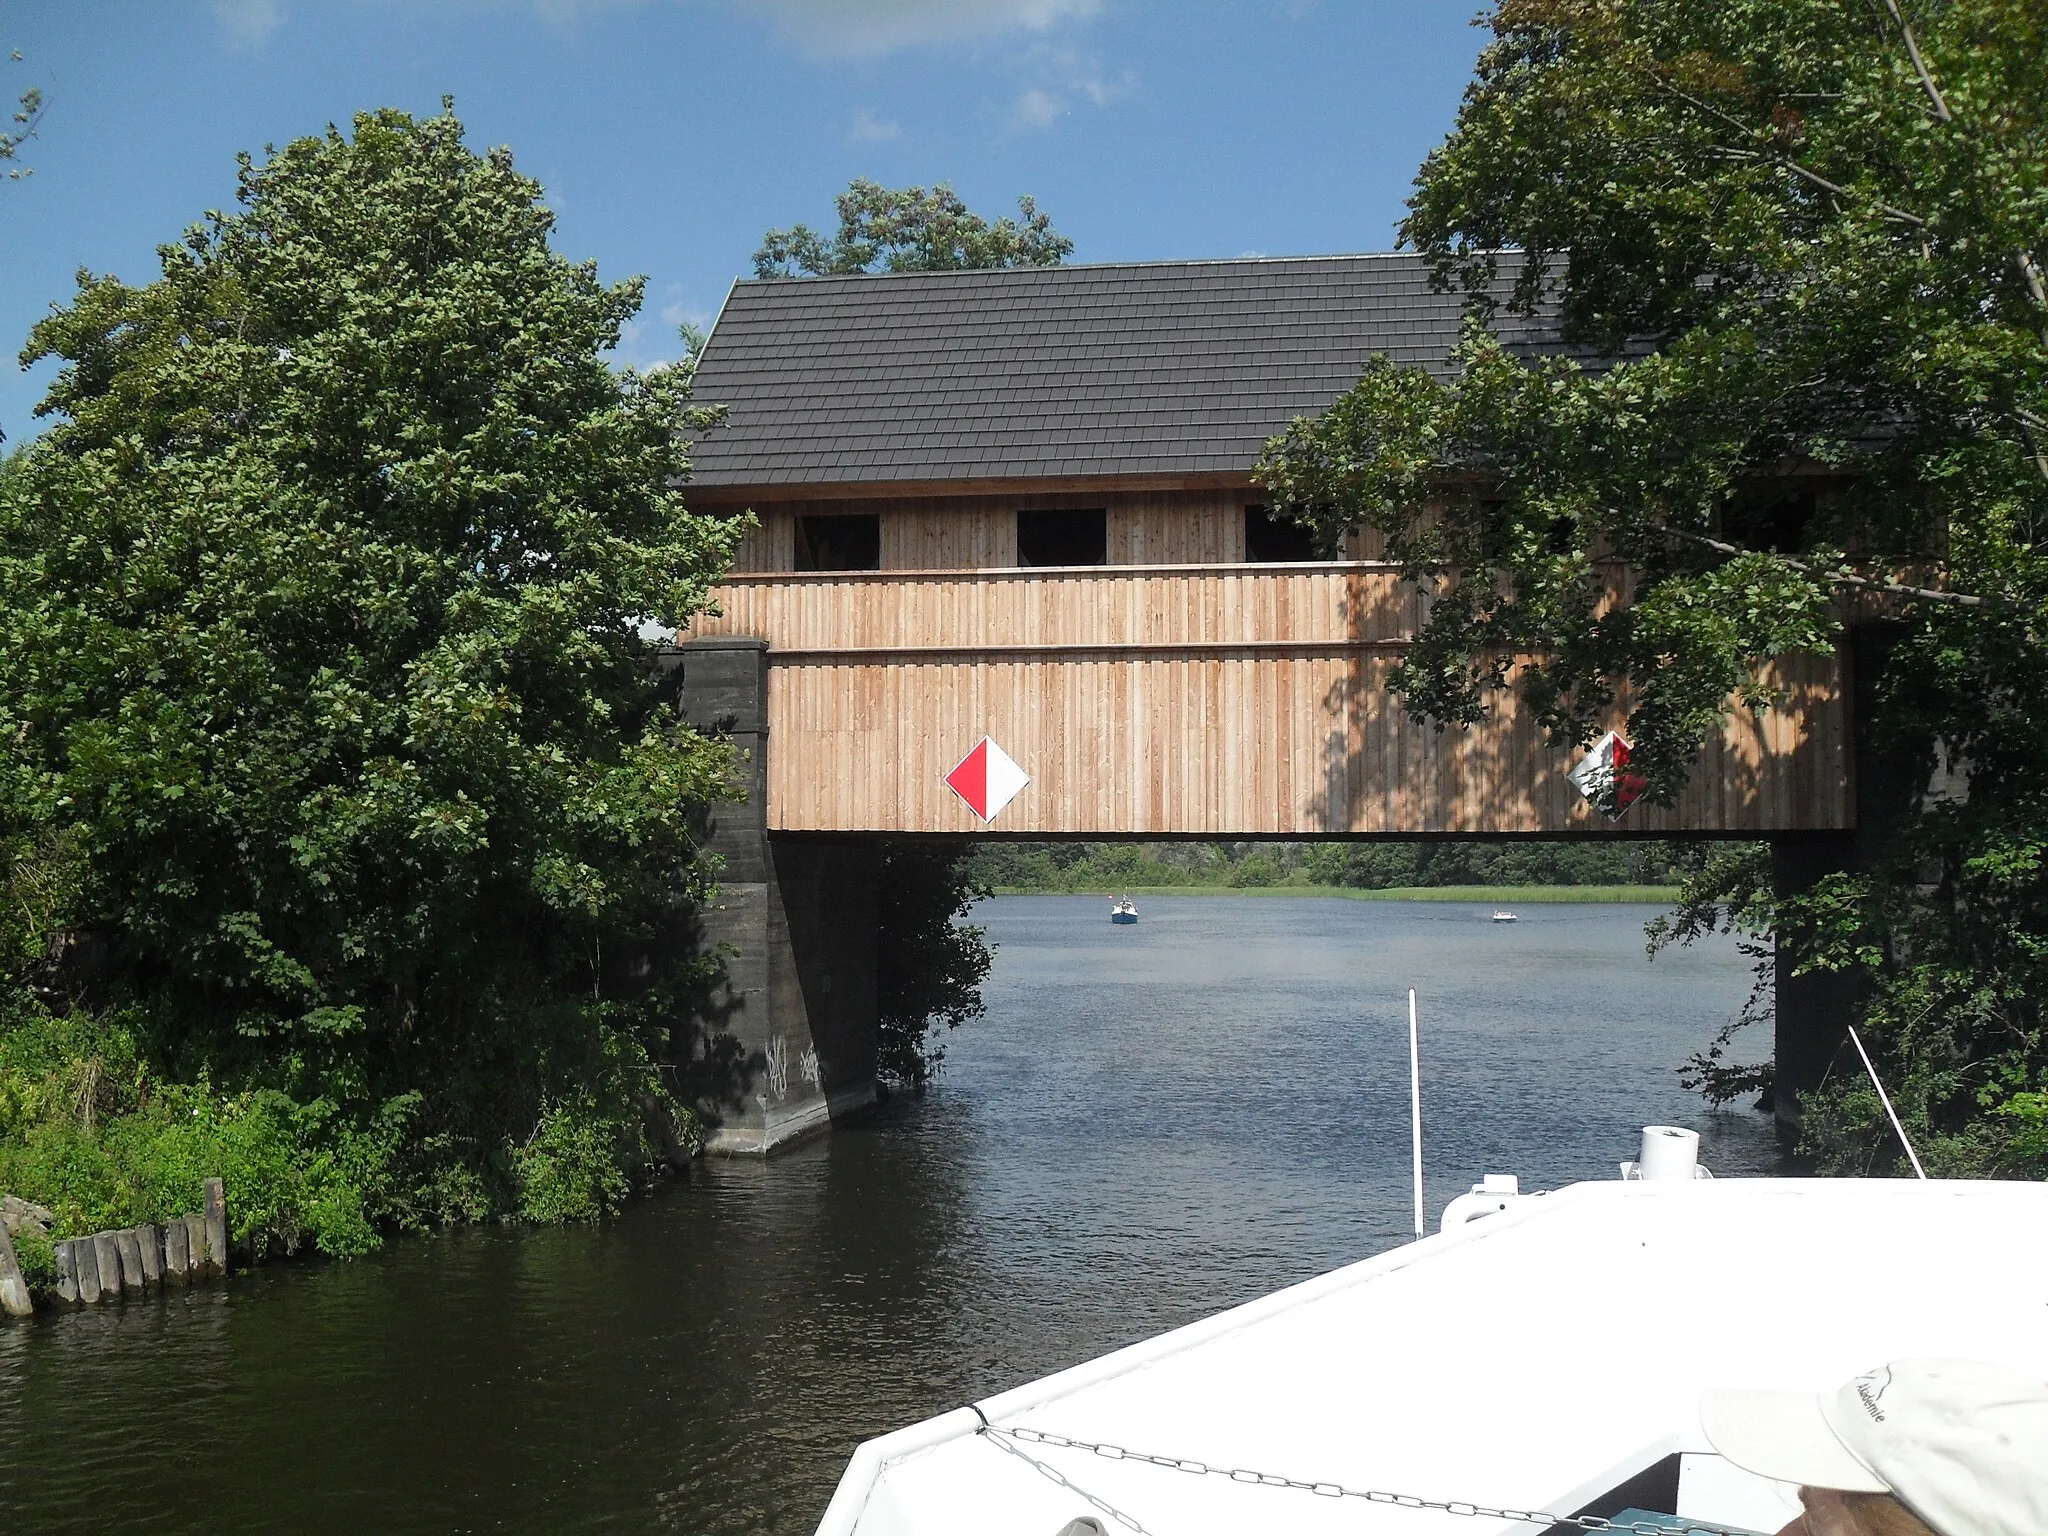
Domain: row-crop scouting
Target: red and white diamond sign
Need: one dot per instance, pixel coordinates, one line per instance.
(1602, 776)
(987, 779)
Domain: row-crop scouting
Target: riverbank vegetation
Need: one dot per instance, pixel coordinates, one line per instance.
(930, 961)
(1356, 867)
(343, 816)
(1812, 234)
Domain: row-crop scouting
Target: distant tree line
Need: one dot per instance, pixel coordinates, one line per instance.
(1374, 866)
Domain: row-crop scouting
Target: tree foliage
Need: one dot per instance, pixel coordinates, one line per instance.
(910, 229)
(326, 724)
(930, 963)
(1804, 242)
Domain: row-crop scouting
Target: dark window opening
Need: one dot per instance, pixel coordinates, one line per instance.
(1063, 538)
(849, 542)
(1562, 537)
(1267, 537)
(1768, 519)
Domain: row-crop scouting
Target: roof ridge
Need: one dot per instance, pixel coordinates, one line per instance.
(1105, 367)
(1098, 266)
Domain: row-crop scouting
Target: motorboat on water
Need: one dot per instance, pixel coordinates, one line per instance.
(1504, 916)
(1540, 1359)
(1123, 910)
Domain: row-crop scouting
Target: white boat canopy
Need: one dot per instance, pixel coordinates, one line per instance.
(1535, 1360)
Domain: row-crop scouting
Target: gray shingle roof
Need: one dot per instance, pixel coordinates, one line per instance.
(1155, 369)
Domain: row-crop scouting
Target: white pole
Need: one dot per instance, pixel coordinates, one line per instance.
(1885, 1099)
(1415, 1104)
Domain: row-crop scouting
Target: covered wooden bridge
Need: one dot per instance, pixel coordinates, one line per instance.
(1018, 505)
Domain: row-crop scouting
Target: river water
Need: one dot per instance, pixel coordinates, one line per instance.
(1152, 1123)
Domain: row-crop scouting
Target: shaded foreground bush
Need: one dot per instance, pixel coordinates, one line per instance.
(930, 962)
(345, 828)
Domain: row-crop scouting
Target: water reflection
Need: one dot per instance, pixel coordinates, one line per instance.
(1152, 1123)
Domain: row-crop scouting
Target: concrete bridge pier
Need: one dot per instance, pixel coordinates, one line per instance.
(789, 1045)
(1893, 776)
(1814, 1011)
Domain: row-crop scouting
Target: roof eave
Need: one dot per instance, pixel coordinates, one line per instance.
(722, 493)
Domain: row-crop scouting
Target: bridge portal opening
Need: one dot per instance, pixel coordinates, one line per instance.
(850, 541)
(1063, 538)
(1272, 539)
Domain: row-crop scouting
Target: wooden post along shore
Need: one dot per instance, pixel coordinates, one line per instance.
(130, 1261)
(14, 1297)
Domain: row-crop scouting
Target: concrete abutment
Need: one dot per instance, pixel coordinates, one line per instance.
(791, 1036)
(1813, 1011)
(1894, 776)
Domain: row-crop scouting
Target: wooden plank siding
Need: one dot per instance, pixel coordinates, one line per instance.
(1216, 699)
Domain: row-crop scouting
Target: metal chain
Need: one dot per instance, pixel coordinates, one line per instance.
(1339, 1491)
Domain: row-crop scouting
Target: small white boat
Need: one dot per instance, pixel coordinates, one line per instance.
(1504, 916)
(1123, 910)
(1542, 1356)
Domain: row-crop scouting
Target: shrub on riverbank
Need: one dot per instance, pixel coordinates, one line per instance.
(88, 1130)
(344, 823)
(1949, 1004)
(930, 964)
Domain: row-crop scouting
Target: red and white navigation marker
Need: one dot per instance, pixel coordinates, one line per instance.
(1602, 776)
(987, 779)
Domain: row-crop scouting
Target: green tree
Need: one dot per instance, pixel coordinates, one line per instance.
(321, 680)
(1796, 234)
(930, 964)
(910, 229)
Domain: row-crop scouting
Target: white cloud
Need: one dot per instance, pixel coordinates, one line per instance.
(1036, 108)
(869, 129)
(644, 346)
(247, 22)
(678, 311)
(1065, 76)
(833, 28)
(860, 27)
(1086, 77)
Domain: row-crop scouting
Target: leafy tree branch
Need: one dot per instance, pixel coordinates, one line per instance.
(22, 126)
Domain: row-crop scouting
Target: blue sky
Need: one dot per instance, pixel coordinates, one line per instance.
(671, 133)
